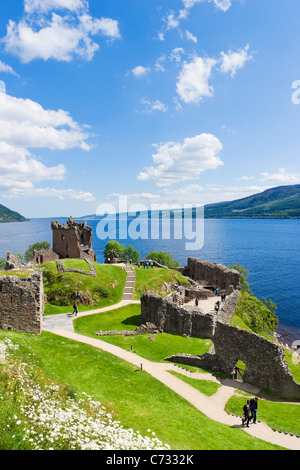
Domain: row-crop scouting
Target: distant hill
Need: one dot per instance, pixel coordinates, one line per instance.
(6, 215)
(282, 202)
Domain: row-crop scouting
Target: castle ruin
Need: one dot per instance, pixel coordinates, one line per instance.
(72, 240)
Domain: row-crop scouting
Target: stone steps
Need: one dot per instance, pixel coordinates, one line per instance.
(129, 286)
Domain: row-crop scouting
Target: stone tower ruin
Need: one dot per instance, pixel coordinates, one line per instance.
(72, 240)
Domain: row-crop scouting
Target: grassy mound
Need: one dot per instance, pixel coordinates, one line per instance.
(154, 279)
(252, 314)
(90, 292)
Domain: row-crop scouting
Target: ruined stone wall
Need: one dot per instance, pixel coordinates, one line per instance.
(72, 240)
(44, 256)
(171, 318)
(22, 303)
(212, 274)
(265, 360)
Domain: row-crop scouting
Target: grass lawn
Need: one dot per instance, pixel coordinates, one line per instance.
(139, 401)
(21, 274)
(104, 290)
(76, 264)
(153, 279)
(284, 417)
(128, 318)
(206, 387)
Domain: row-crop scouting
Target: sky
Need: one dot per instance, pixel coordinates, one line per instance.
(162, 101)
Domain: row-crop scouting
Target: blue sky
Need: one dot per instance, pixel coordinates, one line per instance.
(174, 101)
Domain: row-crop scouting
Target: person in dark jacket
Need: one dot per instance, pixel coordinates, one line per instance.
(253, 409)
(75, 307)
(246, 414)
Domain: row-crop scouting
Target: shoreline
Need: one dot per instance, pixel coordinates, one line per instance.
(287, 335)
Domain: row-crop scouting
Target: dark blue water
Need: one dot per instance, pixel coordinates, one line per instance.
(269, 249)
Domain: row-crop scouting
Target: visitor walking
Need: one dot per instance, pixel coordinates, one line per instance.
(75, 307)
(246, 414)
(253, 409)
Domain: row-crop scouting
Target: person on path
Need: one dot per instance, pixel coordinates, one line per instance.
(75, 307)
(246, 414)
(253, 409)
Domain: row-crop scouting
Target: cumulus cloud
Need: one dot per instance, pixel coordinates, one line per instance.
(176, 162)
(235, 60)
(31, 6)
(153, 106)
(282, 176)
(5, 68)
(193, 80)
(61, 194)
(44, 34)
(223, 5)
(26, 125)
(140, 71)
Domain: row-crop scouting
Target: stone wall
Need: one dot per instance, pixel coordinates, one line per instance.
(12, 262)
(212, 275)
(72, 240)
(61, 269)
(22, 303)
(171, 318)
(265, 360)
(44, 256)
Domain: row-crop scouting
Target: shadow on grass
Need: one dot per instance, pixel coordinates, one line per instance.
(133, 321)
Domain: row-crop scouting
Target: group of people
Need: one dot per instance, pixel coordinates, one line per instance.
(146, 264)
(250, 411)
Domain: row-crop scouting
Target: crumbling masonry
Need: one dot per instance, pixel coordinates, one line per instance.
(22, 303)
(264, 359)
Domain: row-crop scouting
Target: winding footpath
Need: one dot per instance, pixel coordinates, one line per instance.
(212, 407)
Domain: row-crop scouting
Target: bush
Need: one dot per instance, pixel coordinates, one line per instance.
(35, 247)
(256, 315)
(161, 257)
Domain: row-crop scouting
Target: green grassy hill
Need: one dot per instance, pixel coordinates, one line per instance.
(7, 215)
(282, 202)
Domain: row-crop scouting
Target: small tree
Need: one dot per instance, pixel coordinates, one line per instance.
(2, 263)
(131, 253)
(161, 257)
(113, 245)
(245, 286)
(35, 247)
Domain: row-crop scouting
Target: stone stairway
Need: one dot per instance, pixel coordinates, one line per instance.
(128, 290)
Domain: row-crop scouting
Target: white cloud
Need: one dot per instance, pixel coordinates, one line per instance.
(158, 64)
(190, 36)
(177, 162)
(176, 54)
(282, 176)
(153, 106)
(233, 61)
(4, 68)
(61, 194)
(24, 125)
(140, 71)
(44, 34)
(171, 21)
(31, 6)
(193, 80)
(223, 5)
